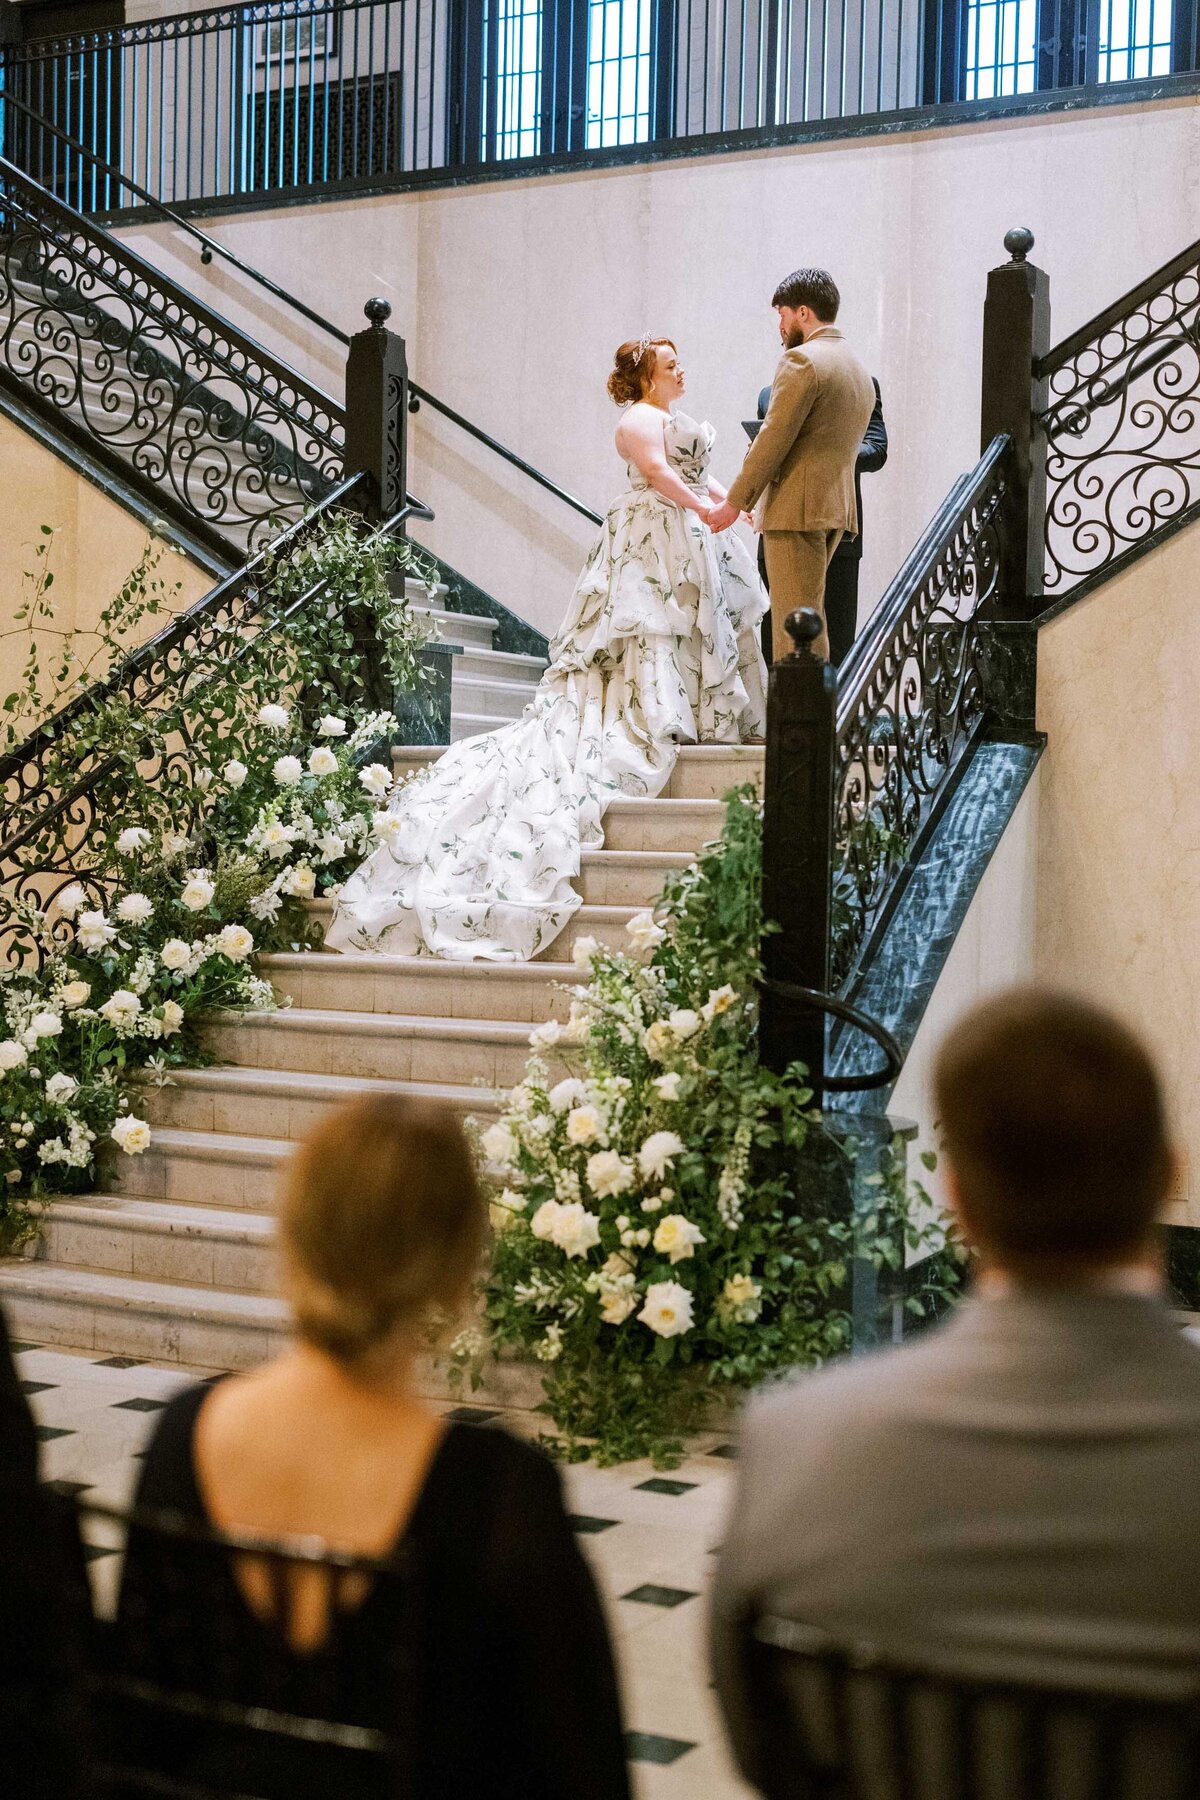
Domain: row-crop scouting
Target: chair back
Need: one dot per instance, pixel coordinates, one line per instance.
(846, 1722)
(199, 1695)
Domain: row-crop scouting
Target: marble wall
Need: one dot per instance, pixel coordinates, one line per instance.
(513, 294)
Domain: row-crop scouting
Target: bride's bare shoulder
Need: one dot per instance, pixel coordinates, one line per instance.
(641, 423)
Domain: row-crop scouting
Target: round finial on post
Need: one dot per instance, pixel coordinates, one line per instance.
(378, 310)
(803, 627)
(1018, 242)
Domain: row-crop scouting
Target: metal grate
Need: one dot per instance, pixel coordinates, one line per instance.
(1001, 48)
(323, 131)
(1134, 39)
(516, 77)
(620, 58)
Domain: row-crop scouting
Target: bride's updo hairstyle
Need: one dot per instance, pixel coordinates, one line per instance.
(633, 370)
(382, 1222)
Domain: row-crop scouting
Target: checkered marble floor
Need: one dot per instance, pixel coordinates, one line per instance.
(650, 1539)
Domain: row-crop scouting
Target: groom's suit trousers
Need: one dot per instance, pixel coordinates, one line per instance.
(797, 562)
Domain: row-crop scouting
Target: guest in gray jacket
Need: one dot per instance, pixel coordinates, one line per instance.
(1018, 1492)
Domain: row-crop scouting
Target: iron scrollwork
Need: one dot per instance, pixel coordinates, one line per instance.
(912, 704)
(1123, 426)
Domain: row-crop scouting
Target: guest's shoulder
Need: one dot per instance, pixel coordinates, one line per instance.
(168, 1470)
(492, 1454)
(859, 1388)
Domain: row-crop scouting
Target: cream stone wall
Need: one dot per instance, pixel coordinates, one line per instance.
(95, 546)
(512, 296)
(1118, 906)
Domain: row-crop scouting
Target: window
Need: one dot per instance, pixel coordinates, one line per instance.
(1001, 48)
(618, 72)
(516, 78)
(1134, 39)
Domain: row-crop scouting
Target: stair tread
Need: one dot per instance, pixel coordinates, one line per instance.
(242, 1077)
(129, 1211)
(312, 1018)
(220, 1146)
(437, 967)
(123, 1293)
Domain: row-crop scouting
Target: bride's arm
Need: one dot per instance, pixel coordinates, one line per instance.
(640, 438)
(716, 490)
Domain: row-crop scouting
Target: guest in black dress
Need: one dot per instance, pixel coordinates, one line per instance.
(490, 1644)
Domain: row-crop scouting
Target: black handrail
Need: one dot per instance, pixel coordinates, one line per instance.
(214, 247)
(893, 1056)
(1119, 309)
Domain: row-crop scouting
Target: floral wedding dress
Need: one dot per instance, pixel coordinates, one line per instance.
(660, 647)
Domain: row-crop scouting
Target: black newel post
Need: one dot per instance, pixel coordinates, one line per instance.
(798, 851)
(377, 411)
(1016, 335)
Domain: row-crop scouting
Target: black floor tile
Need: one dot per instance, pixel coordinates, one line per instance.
(644, 1746)
(727, 1450)
(46, 1432)
(93, 1552)
(119, 1362)
(68, 1489)
(659, 1485)
(588, 1527)
(17, 1348)
(471, 1415)
(649, 1594)
(37, 1387)
(138, 1404)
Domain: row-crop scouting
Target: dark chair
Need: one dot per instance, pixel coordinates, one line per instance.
(195, 1697)
(838, 1722)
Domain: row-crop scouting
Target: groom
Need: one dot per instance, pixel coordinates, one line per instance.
(802, 461)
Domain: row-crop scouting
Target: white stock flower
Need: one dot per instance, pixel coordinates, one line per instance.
(575, 1230)
(133, 839)
(608, 1174)
(131, 1135)
(568, 1093)
(300, 881)
(71, 899)
(12, 1054)
(667, 1086)
(719, 1000)
(234, 772)
(643, 933)
(376, 779)
(275, 718)
(322, 761)
(44, 1025)
(135, 909)
(60, 1088)
(615, 1308)
(175, 954)
(75, 994)
(287, 770)
(121, 1009)
(499, 1145)
(676, 1237)
(550, 1347)
(93, 931)
(667, 1309)
(331, 847)
(331, 727)
(585, 1126)
(658, 1040)
(684, 1022)
(198, 891)
(545, 1037)
(175, 843)
(657, 1153)
(276, 839)
(234, 941)
(584, 952)
(172, 1017)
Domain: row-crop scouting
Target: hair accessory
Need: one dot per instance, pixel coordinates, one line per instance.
(644, 344)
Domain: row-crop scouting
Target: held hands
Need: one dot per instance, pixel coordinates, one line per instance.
(720, 518)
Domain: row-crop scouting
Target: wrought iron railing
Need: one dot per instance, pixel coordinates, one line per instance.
(244, 101)
(1122, 428)
(151, 382)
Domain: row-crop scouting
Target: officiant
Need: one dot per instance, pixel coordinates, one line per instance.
(841, 580)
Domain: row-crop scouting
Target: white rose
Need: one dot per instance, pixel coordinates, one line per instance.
(175, 954)
(121, 1008)
(659, 1150)
(93, 931)
(76, 993)
(331, 727)
(275, 718)
(12, 1054)
(172, 1017)
(44, 1025)
(499, 1145)
(585, 1126)
(135, 838)
(667, 1086)
(287, 770)
(386, 827)
(71, 899)
(175, 843)
(676, 1237)
(568, 1093)
(132, 1135)
(203, 779)
(135, 909)
(234, 772)
(719, 1000)
(198, 892)
(376, 779)
(643, 933)
(300, 881)
(545, 1037)
(234, 941)
(616, 1308)
(684, 1022)
(658, 1040)
(667, 1309)
(575, 1229)
(544, 1219)
(608, 1174)
(584, 952)
(322, 761)
(60, 1088)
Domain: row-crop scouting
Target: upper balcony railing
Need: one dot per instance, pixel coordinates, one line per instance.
(286, 96)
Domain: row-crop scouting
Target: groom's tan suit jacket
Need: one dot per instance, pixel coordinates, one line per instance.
(802, 461)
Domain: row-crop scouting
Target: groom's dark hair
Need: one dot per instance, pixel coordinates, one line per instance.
(814, 288)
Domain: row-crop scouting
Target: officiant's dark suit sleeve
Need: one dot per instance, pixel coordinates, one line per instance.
(872, 454)
(793, 393)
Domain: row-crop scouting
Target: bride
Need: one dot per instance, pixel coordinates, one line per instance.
(660, 647)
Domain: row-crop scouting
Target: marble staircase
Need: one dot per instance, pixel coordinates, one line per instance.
(487, 687)
(173, 1258)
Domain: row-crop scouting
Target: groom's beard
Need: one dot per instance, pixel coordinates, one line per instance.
(794, 337)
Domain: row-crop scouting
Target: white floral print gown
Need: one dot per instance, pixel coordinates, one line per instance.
(660, 647)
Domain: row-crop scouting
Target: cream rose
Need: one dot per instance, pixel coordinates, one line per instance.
(608, 1174)
(585, 1126)
(12, 1054)
(76, 994)
(659, 1040)
(676, 1237)
(376, 779)
(499, 1145)
(131, 1135)
(667, 1309)
(584, 951)
(198, 891)
(322, 761)
(172, 1017)
(300, 881)
(175, 954)
(234, 772)
(667, 1086)
(684, 1022)
(331, 727)
(234, 941)
(616, 1307)
(93, 931)
(643, 933)
(575, 1229)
